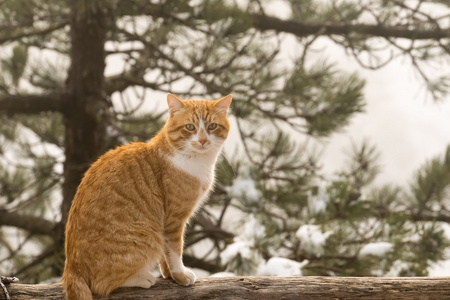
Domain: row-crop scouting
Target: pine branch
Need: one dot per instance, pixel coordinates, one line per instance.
(118, 83)
(29, 223)
(298, 28)
(424, 216)
(432, 217)
(301, 29)
(30, 104)
(23, 32)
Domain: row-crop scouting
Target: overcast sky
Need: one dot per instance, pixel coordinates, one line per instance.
(405, 124)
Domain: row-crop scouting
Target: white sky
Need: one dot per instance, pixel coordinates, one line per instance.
(407, 127)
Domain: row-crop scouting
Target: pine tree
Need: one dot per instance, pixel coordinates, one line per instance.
(61, 107)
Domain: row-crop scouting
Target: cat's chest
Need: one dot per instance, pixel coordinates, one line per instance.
(199, 167)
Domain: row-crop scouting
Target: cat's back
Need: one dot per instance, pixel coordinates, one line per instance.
(122, 156)
(122, 174)
(125, 160)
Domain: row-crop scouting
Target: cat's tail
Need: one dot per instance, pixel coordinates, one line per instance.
(76, 287)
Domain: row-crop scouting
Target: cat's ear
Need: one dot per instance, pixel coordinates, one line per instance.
(223, 103)
(174, 103)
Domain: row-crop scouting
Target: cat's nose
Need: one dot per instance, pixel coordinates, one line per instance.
(202, 141)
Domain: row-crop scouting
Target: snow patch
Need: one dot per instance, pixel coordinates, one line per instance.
(253, 229)
(312, 239)
(244, 187)
(280, 266)
(244, 243)
(183, 16)
(318, 203)
(241, 248)
(379, 249)
(244, 248)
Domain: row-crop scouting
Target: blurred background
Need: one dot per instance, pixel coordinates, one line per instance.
(338, 160)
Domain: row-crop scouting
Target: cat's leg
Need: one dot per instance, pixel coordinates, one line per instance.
(173, 256)
(143, 278)
(178, 271)
(164, 268)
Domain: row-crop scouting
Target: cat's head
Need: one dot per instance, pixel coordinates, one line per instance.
(197, 126)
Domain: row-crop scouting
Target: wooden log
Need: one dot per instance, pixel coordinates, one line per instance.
(261, 288)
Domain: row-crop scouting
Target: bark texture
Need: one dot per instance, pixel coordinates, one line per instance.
(266, 288)
(30, 104)
(87, 116)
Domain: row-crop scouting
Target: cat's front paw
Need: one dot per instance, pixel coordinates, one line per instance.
(184, 278)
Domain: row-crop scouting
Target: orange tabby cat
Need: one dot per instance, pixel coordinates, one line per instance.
(131, 207)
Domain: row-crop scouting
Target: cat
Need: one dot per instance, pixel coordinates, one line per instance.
(130, 209)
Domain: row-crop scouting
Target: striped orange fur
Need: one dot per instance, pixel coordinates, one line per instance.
(130, 210)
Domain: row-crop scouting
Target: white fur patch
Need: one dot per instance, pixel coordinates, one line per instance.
(199, 165)
(202, 124)
(143, 278)
(201, 128)
(176, 264)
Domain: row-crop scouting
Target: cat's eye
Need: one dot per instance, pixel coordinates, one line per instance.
(190, 127)
(212, 126)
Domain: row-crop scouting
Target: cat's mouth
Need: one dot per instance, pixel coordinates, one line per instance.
(201, 148)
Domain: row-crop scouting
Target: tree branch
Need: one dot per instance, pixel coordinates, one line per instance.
(30, 104)
(262, 288)
(22, 33)
(300, 29)
(32, 224)
(118, 83)
(38, 260)
(425, 216)
(194, 262)
(432, 217)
